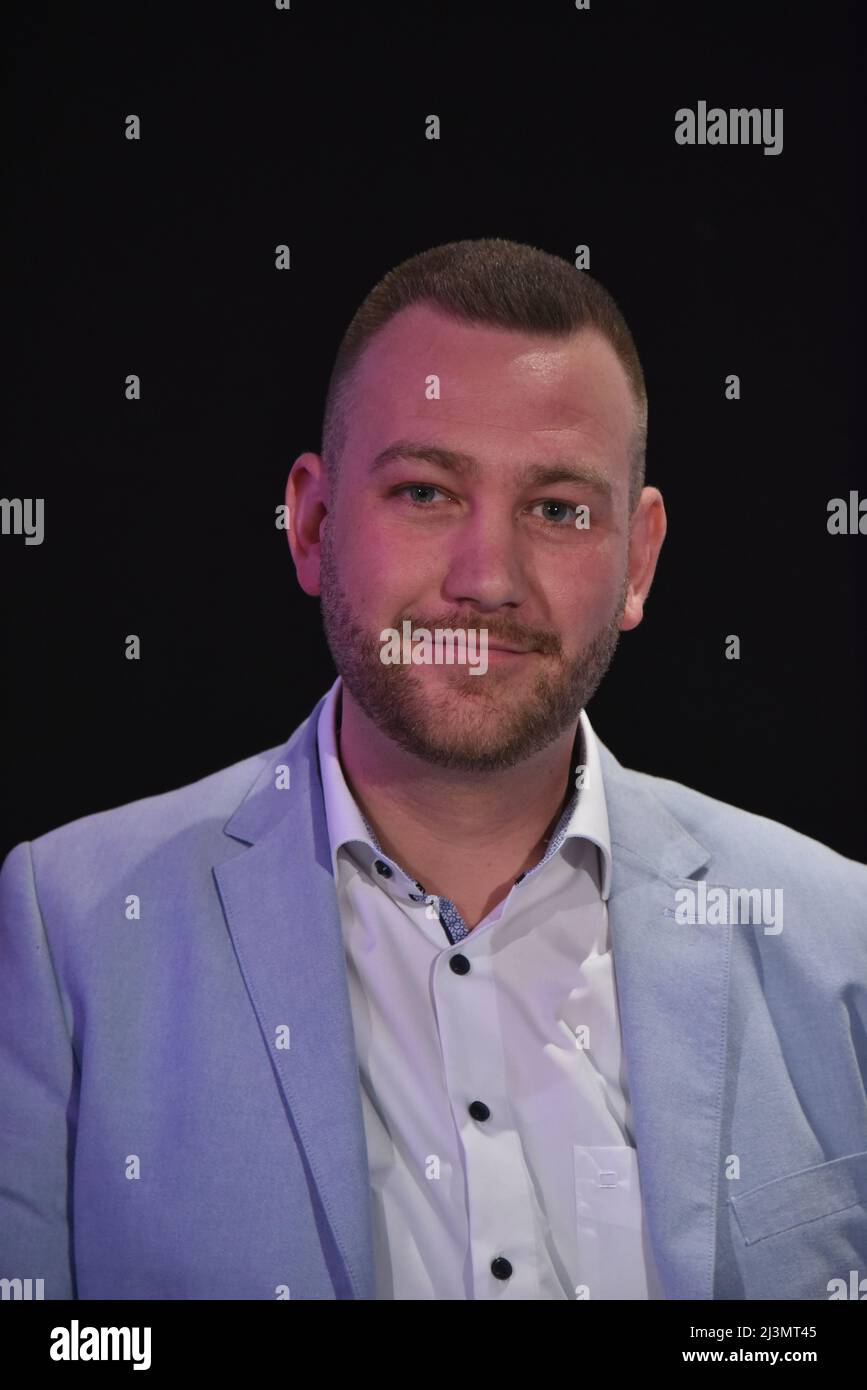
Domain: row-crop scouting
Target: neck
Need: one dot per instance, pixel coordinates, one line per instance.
(445, 825)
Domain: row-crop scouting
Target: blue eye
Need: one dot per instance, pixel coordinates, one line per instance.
(567, 517)
(418, 487)
(569, 506)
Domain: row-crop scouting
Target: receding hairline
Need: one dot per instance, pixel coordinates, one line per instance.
(488, 282)
(343, 401)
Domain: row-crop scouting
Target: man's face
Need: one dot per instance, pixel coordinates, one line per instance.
(494, 547)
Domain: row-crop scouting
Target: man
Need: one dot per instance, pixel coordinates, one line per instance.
(437, 1000)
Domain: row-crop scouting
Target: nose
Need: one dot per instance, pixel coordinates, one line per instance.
(485, 562)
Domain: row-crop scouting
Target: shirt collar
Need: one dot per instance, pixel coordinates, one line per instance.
(585, 815)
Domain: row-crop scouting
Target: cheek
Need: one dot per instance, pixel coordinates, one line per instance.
(584, 598)
(383, 574)
(394, 561)
(581, 580)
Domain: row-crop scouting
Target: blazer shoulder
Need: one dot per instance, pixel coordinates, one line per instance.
(135, 831)
(735, 835)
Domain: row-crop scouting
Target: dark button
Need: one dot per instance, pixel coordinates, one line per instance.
(479, 1110)
(500, 1268)
(459, 964)
(382, 869)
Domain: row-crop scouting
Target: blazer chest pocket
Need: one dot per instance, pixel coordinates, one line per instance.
(807, 1195)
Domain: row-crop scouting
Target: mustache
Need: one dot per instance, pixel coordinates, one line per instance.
(545, 642)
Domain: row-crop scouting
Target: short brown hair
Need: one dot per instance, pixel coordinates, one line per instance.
(492, 281)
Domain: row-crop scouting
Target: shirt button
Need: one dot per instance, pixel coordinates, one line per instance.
(479, 1110)
(382, 869)
(500, 1268)
(459, 964)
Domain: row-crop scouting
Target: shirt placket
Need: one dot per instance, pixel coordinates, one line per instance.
(502, 1233)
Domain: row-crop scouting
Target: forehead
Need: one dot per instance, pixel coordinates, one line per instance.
(494, 383)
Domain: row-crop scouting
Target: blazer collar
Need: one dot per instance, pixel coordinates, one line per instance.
(638, 820)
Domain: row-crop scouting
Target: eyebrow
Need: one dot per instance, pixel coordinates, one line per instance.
(533, 474)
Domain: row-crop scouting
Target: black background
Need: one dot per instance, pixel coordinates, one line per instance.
(307, 127)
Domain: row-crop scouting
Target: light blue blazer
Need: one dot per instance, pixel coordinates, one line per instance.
(179, 1091)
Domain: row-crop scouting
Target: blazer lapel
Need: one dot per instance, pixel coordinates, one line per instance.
(672, 988)
(281, 909)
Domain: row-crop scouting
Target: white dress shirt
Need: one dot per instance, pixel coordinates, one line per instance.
(496, 1110)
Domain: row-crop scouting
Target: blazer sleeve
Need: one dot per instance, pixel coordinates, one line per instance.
(38, 1087)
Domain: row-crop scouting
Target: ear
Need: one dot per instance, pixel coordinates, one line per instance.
(646, 534)
(306, 506)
